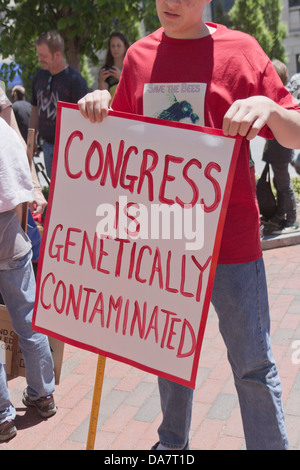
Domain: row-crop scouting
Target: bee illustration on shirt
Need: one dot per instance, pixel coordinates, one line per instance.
(178, 111)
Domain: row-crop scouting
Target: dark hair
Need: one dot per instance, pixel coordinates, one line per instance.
(53, 40)
(109, 61)
(282, 70)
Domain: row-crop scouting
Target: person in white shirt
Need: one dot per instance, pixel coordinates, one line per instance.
(17, 285)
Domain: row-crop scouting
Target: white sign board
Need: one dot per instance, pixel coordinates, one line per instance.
(131, 239)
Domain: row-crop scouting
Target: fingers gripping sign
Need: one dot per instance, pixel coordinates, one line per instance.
(247, 117)
(94, 106)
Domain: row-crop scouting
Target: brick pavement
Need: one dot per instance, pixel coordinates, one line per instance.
(130, 410)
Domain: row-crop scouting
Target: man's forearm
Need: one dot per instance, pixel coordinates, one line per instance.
(285, 125)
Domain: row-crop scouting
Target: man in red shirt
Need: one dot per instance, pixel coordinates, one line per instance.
(231, 85)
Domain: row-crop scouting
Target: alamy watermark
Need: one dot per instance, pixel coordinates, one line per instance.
(155, 222)
(296, 353)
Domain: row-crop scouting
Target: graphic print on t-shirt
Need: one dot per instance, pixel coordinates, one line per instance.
(181, 102)
(47, 104)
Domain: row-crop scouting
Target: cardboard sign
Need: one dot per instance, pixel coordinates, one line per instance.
(131, 241)
(6, 346)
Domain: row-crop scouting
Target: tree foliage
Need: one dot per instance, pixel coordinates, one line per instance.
(272, 14)
(84, 24)
(220, 14)
(151, 21)
(262, 20)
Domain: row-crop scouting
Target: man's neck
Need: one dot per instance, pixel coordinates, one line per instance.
(202, 31)
(59, 68)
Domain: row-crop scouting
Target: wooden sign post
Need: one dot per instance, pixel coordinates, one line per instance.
(96, 403)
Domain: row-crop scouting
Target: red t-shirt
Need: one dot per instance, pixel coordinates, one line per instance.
(216, 71)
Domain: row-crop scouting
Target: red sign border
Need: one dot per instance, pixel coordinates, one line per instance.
(217, 132)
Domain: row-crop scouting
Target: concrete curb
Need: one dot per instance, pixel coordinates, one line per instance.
(270, 242)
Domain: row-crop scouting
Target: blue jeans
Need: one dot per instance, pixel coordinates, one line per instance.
(48, 150)
(241, 302)
(17, 286)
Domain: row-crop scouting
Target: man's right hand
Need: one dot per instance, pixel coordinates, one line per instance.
(94, 106)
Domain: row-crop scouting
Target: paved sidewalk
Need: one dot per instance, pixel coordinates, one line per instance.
(130, 409)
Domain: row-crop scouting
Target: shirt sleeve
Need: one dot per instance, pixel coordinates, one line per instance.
(33, 100)
(4, 101)
(79, 88)
(15, 177)
(122, 100)
(272, 87)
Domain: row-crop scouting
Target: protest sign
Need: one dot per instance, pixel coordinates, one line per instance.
(131, 240)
